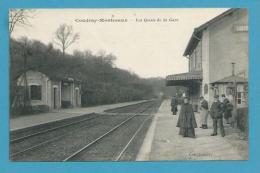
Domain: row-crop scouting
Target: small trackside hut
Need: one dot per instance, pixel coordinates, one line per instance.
(49, 91)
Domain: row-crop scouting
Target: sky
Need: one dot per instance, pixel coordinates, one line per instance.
(148, 42)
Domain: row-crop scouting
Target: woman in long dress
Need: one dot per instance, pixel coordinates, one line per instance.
(186, 121)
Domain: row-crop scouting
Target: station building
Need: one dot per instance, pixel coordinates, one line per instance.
(218, 59)
(49, 90)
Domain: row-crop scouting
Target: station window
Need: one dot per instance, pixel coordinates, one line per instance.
(241, 28)
(36, 92)
(239, 98)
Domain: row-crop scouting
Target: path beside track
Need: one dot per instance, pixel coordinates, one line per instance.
(36, 119)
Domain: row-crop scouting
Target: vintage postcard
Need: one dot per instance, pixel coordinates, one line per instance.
(113, 88)
(128, 84)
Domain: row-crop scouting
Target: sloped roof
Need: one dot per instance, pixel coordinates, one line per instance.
(230, 79)
(197, 33)
(52, 76)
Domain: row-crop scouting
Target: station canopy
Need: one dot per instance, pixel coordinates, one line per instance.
(184, 79)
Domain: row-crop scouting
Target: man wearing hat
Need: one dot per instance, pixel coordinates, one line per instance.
(216, 112)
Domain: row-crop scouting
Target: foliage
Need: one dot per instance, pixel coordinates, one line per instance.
(102, 82)
(19, 17)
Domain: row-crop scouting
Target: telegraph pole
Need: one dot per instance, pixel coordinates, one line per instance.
(26, 99)
(235, 84)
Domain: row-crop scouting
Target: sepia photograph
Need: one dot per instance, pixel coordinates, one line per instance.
(128, 84)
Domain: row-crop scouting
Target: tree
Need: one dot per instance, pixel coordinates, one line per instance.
(65, 37)
(101, 81)
(19, 17)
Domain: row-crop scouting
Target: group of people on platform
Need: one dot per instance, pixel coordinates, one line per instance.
(187, 121)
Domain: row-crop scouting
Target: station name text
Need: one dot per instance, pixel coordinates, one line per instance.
(125, 20)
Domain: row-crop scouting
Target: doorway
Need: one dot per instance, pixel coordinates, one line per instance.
(55, 98)
(77, 96)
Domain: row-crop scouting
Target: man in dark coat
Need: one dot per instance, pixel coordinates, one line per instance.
(227, 108)
(174, 103)
(186, 121)
(216, 112)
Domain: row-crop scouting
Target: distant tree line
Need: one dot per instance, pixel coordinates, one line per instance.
(102, 82)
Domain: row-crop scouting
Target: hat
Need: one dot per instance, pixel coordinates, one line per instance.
(223, 95)
(216, 96)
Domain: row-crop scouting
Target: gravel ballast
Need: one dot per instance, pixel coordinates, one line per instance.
(61, 143)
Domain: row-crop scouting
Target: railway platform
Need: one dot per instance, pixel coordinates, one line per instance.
(162, 141)
(36, 119)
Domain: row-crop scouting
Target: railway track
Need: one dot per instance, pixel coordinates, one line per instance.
(130, 141)
(40, 138)
(129, 108)
(48, 130)
(34, 141)
(29, 131)
(98, 140)
(78, 129)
